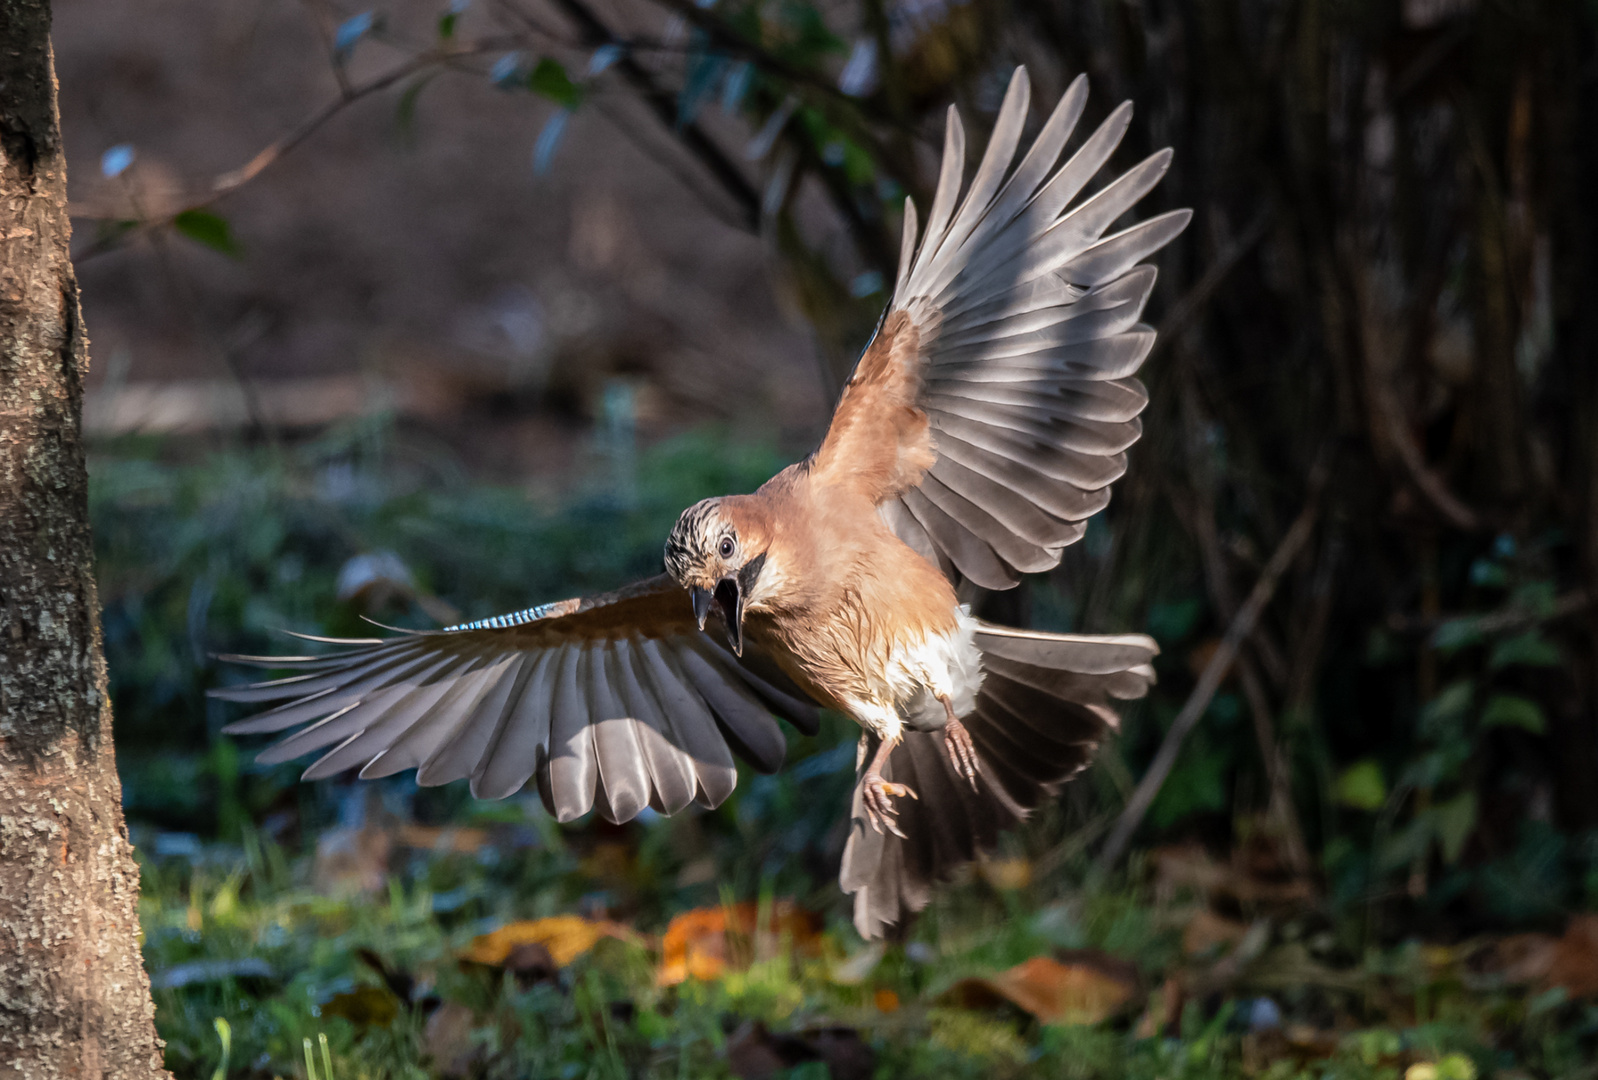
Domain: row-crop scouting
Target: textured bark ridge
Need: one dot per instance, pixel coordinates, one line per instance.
(74, 997)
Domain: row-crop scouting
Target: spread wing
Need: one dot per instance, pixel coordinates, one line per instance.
(618, 701)
(994, 408)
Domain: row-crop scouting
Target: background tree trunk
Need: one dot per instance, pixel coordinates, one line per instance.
(74, 997)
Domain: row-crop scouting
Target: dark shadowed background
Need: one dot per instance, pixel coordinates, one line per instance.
(416, 310)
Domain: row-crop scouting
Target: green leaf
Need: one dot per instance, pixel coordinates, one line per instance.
(405, 112)
(1489, 574)
(1456, 634)
(1362, 786)
(224, 1032)
(1450, 703)
(1530, 649)
(1197, 785)
(1406, 845)
(204, 227)
(550, 80)
(1512, 710)
(1536, 597)
(1454, 821)
(446, 25)
(1172, 621)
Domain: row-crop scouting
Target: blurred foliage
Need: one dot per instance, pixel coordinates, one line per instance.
(1387, 272)
(223, 552)
(246, 866)
(287, 953)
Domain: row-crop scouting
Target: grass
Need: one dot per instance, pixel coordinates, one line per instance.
(321, 927)
(288, 956)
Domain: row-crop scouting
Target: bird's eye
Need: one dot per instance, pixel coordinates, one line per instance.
(726, 547)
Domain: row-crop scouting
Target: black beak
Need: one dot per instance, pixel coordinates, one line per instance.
(730, 598)
(701, 598)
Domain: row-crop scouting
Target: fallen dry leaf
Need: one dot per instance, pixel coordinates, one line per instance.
(1005, 874)
(707, 942)
(1082, 987)
(608, 860)
(1299, 1043)
(352, 860)
(756, 1053)
(565, 936)
(1163, 1011)
(448, 1039)
(1569, 961)
(1182, 868)
(365, 1006)
(1209, 935)
(461, 840)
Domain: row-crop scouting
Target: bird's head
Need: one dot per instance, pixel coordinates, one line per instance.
(716, 551)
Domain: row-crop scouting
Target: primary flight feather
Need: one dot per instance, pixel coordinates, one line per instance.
(980, 430)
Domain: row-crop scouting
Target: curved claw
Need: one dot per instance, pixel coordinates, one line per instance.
(878, 795)
(962, 752)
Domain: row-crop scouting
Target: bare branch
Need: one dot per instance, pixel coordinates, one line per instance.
(1210, 680)
(1191, 303)
(662, 102)
(229, 182)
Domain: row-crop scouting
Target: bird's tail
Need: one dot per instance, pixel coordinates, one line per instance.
(1043, 709)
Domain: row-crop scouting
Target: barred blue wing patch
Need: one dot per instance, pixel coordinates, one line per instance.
(520, 618)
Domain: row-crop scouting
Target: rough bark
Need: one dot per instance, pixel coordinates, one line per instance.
(74, 996)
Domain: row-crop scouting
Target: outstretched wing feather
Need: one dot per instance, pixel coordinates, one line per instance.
(618, 701)
(1011, 308)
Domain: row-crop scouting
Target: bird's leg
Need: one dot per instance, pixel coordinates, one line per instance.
(962, 753)
(877, 793)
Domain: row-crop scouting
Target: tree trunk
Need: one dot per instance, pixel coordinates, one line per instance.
(74, 997)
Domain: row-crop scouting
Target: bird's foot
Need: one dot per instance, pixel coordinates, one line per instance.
(957, 740)
(878, 795)
(962, 752)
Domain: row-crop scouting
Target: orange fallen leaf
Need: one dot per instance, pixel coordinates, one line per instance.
(707, 942)
(885, 1000)
(565, 936)
(1085, 988)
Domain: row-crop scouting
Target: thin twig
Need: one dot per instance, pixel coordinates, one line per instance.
(840, 109)
(1571, 603)
(1187, 308)
(229, 182)
(672, 164)
(1409, 454)
(1390, 430)
(727, 38)
(326, 31)
(663, 103)
(1210, 680)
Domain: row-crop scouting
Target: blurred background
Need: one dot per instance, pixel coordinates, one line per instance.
(426, 310)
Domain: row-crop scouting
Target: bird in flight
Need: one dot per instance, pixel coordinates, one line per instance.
(980, 429)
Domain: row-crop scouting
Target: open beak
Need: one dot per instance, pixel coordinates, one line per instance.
(701, 598)
(730, 598)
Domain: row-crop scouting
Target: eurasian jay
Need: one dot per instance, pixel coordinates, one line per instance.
(980, 430)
